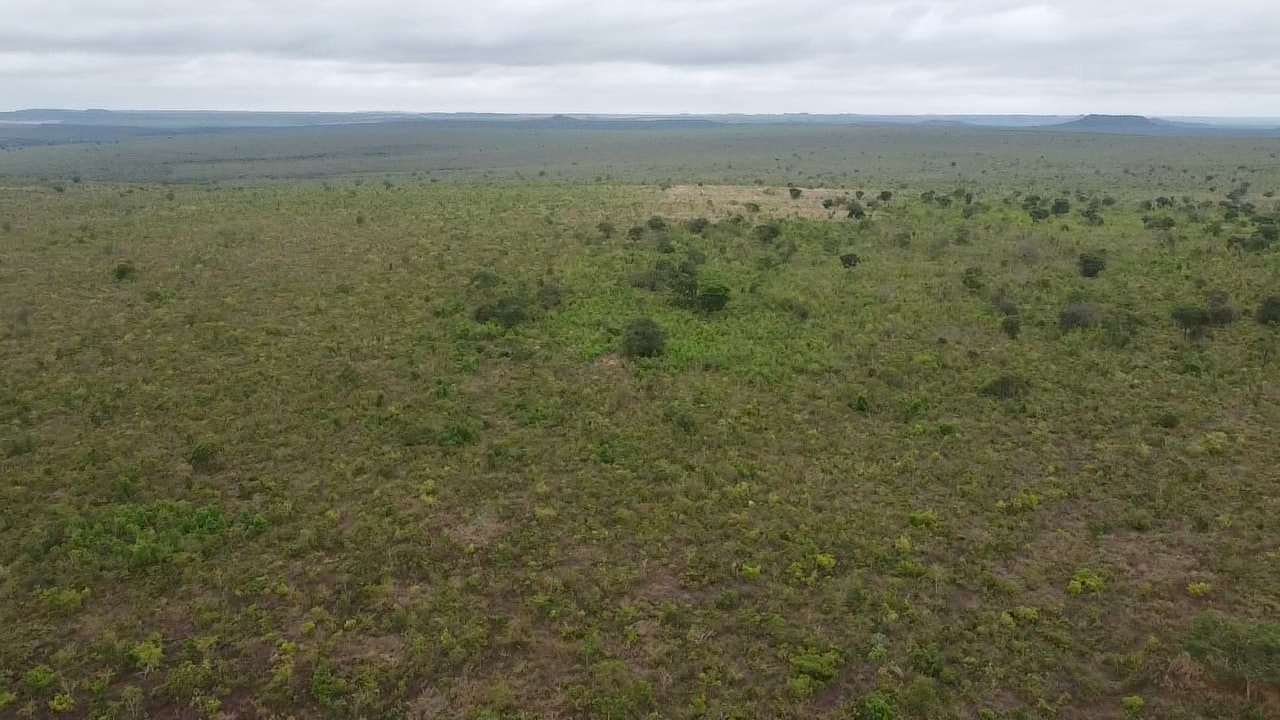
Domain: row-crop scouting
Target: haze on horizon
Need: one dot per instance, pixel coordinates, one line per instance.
(1149, 57)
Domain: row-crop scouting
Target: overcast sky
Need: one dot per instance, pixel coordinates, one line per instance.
(1156, 57)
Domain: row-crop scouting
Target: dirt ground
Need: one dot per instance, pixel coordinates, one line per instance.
(712, 201)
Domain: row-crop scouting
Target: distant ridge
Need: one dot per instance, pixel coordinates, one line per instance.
(1141, 125)
(56, 126)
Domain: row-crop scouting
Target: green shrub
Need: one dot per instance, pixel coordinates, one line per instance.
(1193, 321)
(1006, 387)
(1004, 304)
(876, 706)
(643, 338)
(697, 226)
(1196, 321)
(508, 312)
(125, 271)
(1086, 581)
(795, 308)
(650, 279)
(1091, 264)
(712, 297)
(205, 457)
(768, 232)
(973, 279)
(38, 678)
(1011, 326)
(849, 260)
(1078, 316)
(21, 443)
(1236, 650)
(550, 294)
(1269, 311)
(147, 655)
(657, 223)
(810, 671)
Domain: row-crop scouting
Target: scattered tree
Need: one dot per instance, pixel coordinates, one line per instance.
(1269, 311)
(643, 338)
(1091, 263)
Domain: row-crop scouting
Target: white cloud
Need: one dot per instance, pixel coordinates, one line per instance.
(1063, 56)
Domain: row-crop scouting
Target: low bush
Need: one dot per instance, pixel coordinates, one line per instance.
(1268, 312)
(1091, 264)
(508, 312)
(1236, 650)
(1004, 304)
(1079, 316)
(125, 271)
(1006, 387)
(712, 297)
(973, 279)
(768, 232)
(643, 338)
(1011, 326)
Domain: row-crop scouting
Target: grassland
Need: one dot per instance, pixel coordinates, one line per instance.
(261, 460)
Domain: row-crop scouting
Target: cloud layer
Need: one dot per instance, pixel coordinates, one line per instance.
(1165, 57)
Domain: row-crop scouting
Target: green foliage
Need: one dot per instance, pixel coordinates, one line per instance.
(1011, 326)
(974, 279)
(147, 655)
(1235, 650)
(327, 688)
(18, 444)
(205, 457)
(39, 678)
(1268, 312)
(63, 600)
(876, 706)
(712, 297)
(1006, 387)
(812, 670)
(125, 271)
(643, 338)
(1086, 581)
(1092, 264)
(1080, 316)
(795, 192)
(768, 232)
(62, 702)
(507, 312)
(1132, 706)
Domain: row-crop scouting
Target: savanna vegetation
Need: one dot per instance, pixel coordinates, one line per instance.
(991, 436)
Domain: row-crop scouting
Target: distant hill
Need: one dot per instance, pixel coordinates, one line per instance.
(1140, 125)
(566, 122)
(54, 126)
(1111, 124)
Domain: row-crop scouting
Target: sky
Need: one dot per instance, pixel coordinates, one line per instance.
(1151, 57)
